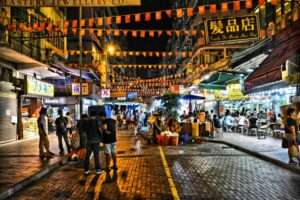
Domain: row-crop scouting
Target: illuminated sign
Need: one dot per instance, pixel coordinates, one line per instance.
(105, 93)
(68, 3)
(39, 88)
(76, 89)
(232, 29)
(132, 95)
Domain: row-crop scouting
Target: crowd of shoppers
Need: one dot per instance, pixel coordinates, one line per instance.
(91, 132)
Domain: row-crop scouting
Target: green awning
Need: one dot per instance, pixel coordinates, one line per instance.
(219, 80)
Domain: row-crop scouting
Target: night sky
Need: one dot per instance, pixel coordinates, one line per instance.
(147, 43)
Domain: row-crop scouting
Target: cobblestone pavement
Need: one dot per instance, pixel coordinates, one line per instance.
(20, 160)
(207, 171)
(270, 146)
(140, 175)
(219, 172)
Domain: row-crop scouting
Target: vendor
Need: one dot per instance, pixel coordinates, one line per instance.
(157, 127)
(173, 126)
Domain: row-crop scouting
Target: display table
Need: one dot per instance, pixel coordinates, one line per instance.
(195, 129)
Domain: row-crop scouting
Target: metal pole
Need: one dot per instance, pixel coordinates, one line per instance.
(80, 61)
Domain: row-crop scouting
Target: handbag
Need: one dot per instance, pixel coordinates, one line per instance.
(288, 136)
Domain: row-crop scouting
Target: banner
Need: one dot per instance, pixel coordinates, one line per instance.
(68, 3)
(39, 88)
(232, 29)
(76, 89)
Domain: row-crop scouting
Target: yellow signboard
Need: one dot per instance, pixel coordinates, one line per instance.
(232, 29)
(68, 3)
(39, 88)
(76, 89)
(232, 93)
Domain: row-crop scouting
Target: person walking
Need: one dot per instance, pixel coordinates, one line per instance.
(290, 136)
(61, 132)
(92, 130)
(43, 133)
(109, 140)
(82, 134)
(70, 122)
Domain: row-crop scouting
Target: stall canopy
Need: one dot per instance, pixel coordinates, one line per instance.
(192, 97)
(285, 45)
(219, 80)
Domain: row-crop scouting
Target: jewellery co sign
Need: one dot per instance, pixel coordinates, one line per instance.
(232, 29)
(69, 3)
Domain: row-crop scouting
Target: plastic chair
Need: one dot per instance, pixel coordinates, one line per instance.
(253, 131)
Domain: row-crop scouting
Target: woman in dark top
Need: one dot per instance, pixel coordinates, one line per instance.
(253, 121)
(291, 128)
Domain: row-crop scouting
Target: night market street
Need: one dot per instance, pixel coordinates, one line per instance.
(149, 99)
(206, 171)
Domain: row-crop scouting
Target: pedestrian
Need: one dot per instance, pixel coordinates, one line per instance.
(70, 123)
(109, 140)
(217, 125)
(82, 134)
(62, 132)
(290, 136)
(43, 133)
(92, 130)
(157, 127)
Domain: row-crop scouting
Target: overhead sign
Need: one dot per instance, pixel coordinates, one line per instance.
(76, 89)
(132, 95)
(39, 88)
(68, 3)
(232, 29)
(175, 89)
(105, 93)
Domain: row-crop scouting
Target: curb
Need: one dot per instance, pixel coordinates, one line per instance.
(15, 188)
(258, 155)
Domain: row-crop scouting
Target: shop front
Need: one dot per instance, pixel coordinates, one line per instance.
(31, 102)
(8, 102)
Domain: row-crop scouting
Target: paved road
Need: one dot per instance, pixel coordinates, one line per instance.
(207, 171)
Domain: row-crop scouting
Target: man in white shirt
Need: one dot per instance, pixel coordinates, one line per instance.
(43, 133)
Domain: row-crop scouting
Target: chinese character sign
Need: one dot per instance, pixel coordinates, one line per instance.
(231, 29)
(39, 88)
(76, 89)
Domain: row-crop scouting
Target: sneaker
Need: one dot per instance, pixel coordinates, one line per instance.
(49, 156)
(107, 169)
(291, 162)
(42, 157)
(51, 153)
(87, 172)
(61, 153)
(99, 171)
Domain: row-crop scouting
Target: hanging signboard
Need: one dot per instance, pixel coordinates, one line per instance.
(105, 93)
(132, 95)
(175, 89)
(232, 29)
(39, 88)
(76, 89)
(68, 3)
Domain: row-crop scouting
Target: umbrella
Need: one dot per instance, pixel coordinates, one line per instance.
(192, 97)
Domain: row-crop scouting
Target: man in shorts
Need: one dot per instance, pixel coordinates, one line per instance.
(109, 140)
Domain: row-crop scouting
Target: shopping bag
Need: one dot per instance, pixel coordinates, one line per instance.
(293, 151)
(81, 153)
(75, 140)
